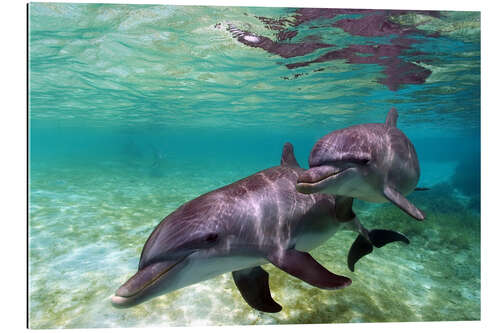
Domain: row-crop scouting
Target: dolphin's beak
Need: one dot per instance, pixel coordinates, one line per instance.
(142, 286)
(316, 178)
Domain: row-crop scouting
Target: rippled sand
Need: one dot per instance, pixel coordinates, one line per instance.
(88, 226)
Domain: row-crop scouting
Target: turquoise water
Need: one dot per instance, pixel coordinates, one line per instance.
(134, 110)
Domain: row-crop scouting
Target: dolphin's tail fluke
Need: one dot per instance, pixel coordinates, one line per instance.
(378, 238)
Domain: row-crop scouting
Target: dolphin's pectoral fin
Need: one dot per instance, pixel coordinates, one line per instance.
(253, 284)
(392, 118)
(288, 157)
(378, 238)
(399, 200)
(303, 266)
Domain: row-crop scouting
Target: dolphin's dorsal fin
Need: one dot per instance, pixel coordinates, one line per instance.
(392, 118)
(399, 200)
(287, 156)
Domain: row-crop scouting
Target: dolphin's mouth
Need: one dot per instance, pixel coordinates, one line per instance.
(129, 293)
(317, 178)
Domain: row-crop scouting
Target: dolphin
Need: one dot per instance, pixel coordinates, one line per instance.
(372, 162)
(237, 228)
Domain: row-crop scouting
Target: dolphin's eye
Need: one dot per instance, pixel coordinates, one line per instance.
(211, 238)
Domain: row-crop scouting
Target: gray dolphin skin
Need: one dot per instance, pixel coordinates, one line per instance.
(371, 162)
(257, 220)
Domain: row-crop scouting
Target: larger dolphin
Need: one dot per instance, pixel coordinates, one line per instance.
(374, 162)
(257, 220)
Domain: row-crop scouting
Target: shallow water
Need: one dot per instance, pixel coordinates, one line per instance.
(135, 110)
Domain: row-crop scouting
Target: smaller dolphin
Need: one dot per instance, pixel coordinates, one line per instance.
(372, 162)
(257, 220)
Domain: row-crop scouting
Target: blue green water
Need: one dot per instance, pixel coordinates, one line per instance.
(134, 110)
